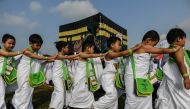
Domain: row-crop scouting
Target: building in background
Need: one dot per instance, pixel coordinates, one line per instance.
(74, 33)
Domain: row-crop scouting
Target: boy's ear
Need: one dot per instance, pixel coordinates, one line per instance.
(112, 45)
(148, 40)
(179, 39)
(62, 49)
(87, 48)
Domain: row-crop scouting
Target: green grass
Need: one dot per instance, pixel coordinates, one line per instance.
(42, 97)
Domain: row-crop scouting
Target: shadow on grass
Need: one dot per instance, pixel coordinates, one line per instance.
(42, 97)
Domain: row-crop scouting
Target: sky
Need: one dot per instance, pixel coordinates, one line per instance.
(22, 18)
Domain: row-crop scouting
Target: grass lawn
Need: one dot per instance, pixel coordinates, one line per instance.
(42, 97)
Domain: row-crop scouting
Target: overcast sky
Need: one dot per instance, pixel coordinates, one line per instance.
(24, 17)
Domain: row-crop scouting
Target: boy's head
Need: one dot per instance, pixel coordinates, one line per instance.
(176, 36)
(88, 46)
(35, 41)
(151, 38)
(114, 43)
(8, 41)
(62, 46)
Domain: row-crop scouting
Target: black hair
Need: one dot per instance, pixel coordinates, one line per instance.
(35, 38)
(175, 33)
(87, 43)
(60, 44)
(6, 37)
(152, 34)
(112, 40)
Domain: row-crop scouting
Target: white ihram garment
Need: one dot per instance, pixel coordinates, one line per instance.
(22, 98)
(60, 96)
(171, 93)
(110, 99)
(142, 63)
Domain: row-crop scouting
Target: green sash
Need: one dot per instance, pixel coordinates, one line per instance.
(66, 77)
(119, 77)
(93, 84)
(9, 71)
(159, 74)
(186, 57)
(143, 86)
(36, 78)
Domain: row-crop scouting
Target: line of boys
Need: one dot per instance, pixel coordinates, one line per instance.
(173, 92)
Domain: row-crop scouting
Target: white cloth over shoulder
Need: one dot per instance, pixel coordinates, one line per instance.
(142, 63)
(171, 93)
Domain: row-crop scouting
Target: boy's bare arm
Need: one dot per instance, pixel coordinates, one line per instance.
(35, 56)
(154, 50)
(71, 57)
(112, 55)
(5, 53)
(84, 55)
(179, 56)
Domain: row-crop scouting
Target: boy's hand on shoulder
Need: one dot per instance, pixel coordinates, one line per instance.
(176, 48)
(56, 56)
(78, 53)
(81, 54)
(52, 58)
(24, 50)
(137, 46)
(187, 83)
(103, 54)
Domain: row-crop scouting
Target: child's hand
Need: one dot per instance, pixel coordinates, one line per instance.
(77, 55)
(186, 83)
(137, 46)
(24, 50)
(176, 48)
(52, 58)
(104, 54)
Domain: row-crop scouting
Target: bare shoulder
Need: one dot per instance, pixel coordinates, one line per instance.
(147, 47)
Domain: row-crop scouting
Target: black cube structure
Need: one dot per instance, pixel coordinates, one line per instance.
(74, 33)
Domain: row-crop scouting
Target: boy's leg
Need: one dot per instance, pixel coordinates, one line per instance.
(110, 99)
(22, 98)
(57, 98)
(2, 94)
